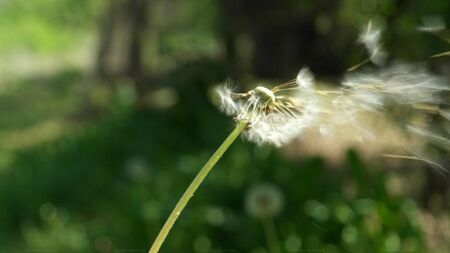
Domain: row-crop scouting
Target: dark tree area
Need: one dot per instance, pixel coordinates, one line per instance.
(274, 38)
(122, 28)
(268, 39)
(285, 38)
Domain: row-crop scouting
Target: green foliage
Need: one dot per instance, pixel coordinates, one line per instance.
(45, 25)
(48, 97)
(112, 185)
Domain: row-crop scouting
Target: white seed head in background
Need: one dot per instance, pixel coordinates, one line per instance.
(264, 201)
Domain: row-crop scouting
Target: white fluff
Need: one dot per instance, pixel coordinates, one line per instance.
(371, 39)
(305, 78)
(361, 93)
(278, 127)
(227, 105)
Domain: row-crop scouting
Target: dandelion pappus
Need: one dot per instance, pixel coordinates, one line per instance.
(274, 115)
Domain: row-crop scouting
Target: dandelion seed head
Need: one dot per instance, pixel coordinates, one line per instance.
(276, 115)
(263, 92)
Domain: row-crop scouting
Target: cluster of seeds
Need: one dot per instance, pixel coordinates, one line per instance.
(274, 115)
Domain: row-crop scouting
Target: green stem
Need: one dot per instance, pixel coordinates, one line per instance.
(273, 243)
(194, 185)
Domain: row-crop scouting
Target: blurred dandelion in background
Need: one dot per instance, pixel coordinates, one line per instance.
(137, 169)
(263, 201)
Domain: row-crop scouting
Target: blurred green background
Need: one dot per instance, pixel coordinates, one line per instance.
(107, 113)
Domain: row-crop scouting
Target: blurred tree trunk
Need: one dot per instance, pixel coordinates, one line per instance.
(120, 44)
(283, 37)
(106, 33)
(228, 23)
(137, 11)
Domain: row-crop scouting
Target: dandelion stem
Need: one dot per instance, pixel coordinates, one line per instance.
(194, 185)
(273, 243)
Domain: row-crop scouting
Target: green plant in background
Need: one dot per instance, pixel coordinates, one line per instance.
(142, 176)
(45, 26)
